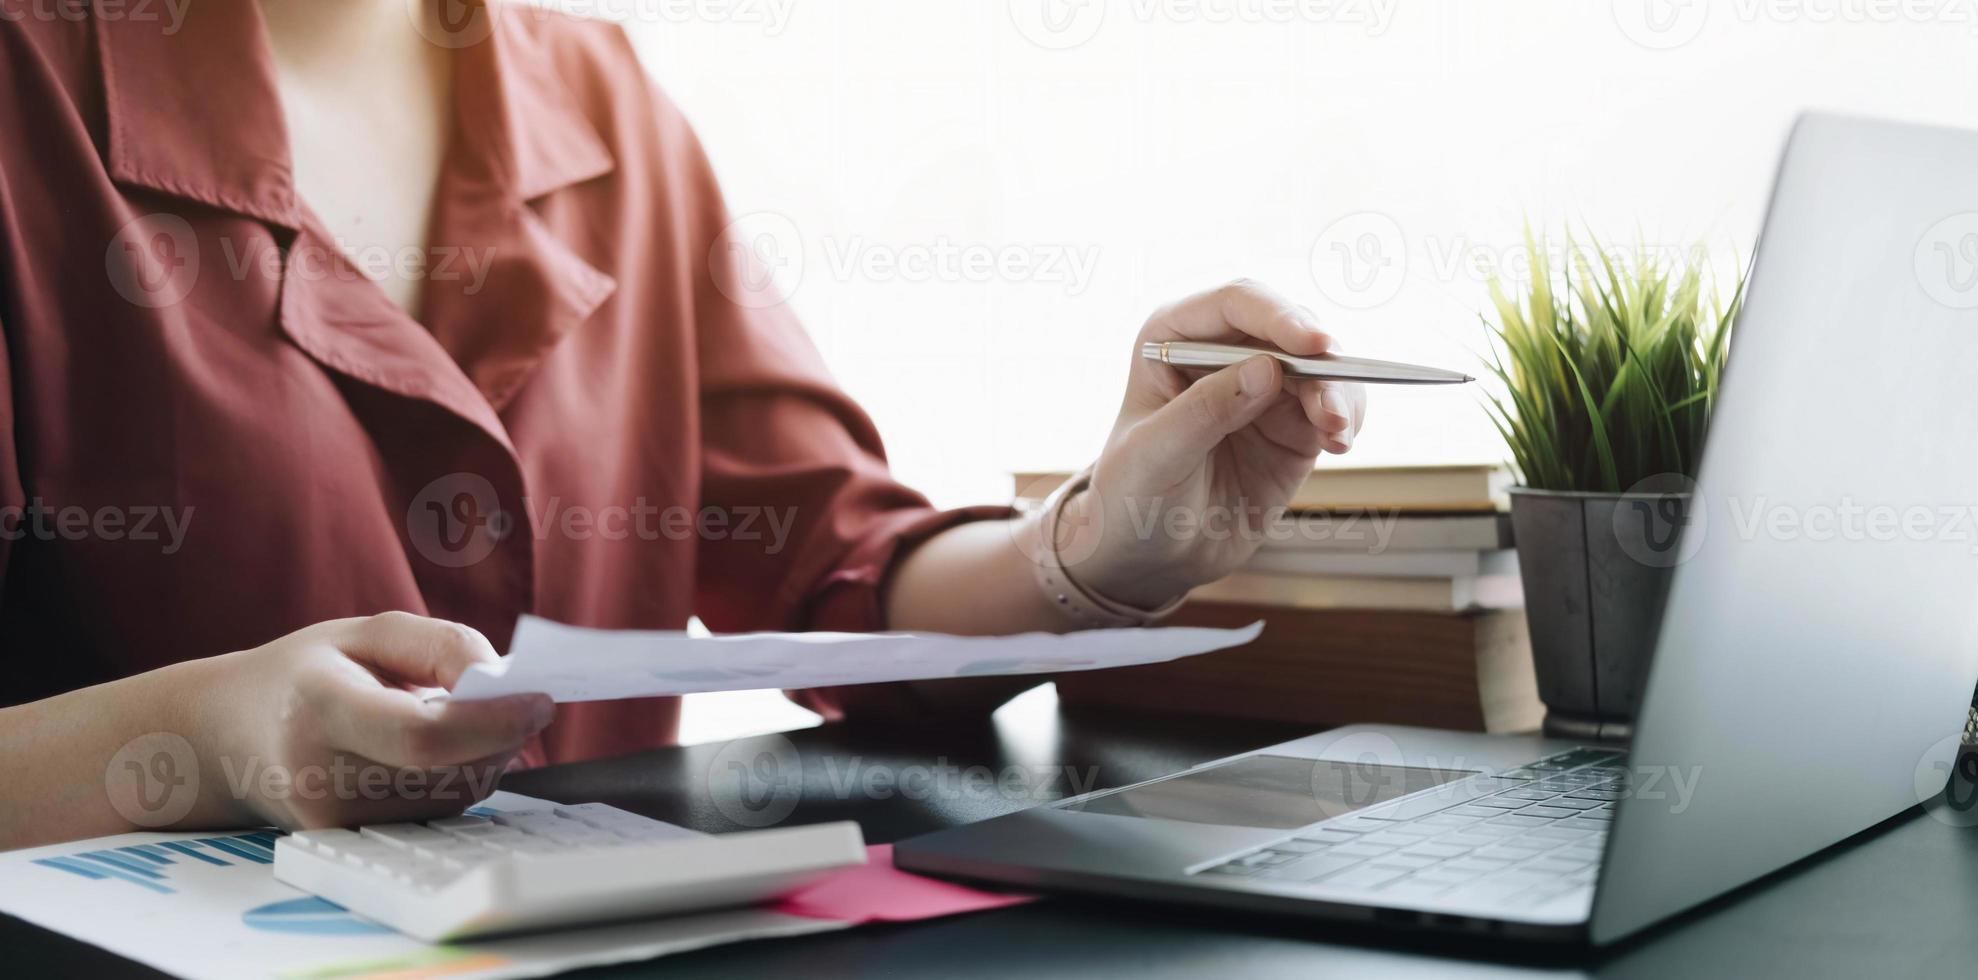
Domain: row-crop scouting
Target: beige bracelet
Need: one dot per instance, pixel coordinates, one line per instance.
(1082, 605)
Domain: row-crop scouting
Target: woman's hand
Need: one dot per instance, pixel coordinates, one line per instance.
(1192, 472)
(331, 712)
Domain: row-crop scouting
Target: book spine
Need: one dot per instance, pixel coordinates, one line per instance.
(1466, 672)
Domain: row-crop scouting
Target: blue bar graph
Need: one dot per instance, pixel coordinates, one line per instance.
(240, 847)
(186, 848)
(72, 867)
(149, 866)
(120, 862)
(100, 872)
(146, 854)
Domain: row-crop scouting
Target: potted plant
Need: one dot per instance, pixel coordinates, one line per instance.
(1610, 369)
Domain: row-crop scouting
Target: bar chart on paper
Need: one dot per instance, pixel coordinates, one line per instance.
(145, 895)
(151, 868)
(150, 865)
(141, 894)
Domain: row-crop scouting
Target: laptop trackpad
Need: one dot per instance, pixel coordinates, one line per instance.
(1272, 791)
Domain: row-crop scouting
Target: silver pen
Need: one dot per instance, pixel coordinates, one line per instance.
(1193, 355)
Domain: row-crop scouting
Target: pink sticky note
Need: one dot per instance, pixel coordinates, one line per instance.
(878, 892)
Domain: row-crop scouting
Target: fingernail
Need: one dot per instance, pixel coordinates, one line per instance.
(1310, 321)
(541, 712)
(1257, 376)
(1335, 404)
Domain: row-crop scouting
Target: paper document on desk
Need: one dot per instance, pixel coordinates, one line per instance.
(573, 663)
(208, 906)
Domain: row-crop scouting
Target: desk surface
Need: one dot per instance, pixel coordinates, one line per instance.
(1899, 900)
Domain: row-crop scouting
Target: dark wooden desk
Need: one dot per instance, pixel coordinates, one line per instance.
(1900, 900)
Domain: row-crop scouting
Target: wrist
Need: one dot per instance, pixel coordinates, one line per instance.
(197, 702)
(1094, 563)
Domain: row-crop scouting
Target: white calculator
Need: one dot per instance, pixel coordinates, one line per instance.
(516, 870)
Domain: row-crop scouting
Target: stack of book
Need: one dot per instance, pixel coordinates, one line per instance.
(1388, 594)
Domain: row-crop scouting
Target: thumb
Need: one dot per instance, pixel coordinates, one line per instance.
(1214, 406)
(417, 650)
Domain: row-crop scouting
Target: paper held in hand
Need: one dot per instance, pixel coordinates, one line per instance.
(573, 663)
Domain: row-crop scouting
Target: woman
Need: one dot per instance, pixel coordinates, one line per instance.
(418, 323)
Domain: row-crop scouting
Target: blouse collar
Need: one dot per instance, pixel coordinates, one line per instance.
(193, 111)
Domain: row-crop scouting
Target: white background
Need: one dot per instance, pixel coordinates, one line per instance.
(1178, 144)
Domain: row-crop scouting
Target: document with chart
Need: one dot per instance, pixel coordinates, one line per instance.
(208, 906)
(572, 663)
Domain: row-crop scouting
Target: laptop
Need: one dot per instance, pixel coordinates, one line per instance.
(1815, 657)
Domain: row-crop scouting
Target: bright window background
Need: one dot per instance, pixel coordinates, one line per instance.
(1367, 157)
(1174, 144)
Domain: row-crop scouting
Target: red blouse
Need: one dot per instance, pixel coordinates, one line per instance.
(215, 430)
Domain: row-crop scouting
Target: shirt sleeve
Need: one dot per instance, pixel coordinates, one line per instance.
(801, 520)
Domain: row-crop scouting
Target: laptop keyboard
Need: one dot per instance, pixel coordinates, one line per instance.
(1524, 847)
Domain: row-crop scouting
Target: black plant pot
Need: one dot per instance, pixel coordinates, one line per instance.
(1596, 568)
